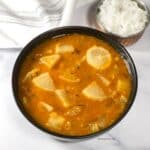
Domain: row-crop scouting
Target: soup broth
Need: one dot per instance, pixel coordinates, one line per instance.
(74, 85)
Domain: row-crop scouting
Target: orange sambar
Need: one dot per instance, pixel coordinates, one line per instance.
(74, 85)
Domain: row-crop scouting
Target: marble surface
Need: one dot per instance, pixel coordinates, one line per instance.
(132, 133)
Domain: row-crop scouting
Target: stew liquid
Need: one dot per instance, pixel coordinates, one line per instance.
(74, 85)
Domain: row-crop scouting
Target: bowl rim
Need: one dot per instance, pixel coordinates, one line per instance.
(61, 31)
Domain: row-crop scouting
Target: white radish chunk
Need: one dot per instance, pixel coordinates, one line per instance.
(55, 121)
(64, 48)
(42, 105)
(30, 74)
(98, 57)
(94, 92)
(44, 81)
(123, 85)
(123, 99)
(63, 97)
(70, 79)
(105, 81)
(50, 60)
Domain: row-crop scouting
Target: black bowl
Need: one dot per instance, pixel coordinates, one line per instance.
(57, 32)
